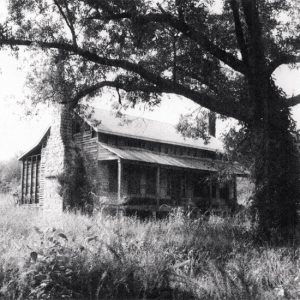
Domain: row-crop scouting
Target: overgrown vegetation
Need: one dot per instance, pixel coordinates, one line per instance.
(77, 183)
(80, 257)
(10, 174)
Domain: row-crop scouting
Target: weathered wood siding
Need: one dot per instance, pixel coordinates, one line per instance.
(87, 143)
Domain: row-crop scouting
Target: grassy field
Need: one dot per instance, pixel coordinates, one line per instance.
(104, 257)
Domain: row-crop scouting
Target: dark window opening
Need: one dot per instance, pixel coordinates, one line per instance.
(181, 152)
(201, 187)
(103, 138)
(150, 146)
(76, 128)
(87, 127)
(151, 181)
(214, 188)
(168, 184)
(183, 186)
(224, 191)
(112, 177)
(134, 180)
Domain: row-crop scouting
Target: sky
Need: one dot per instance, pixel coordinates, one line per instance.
(19, 131)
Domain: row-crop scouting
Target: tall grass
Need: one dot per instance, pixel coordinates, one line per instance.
(100, 257)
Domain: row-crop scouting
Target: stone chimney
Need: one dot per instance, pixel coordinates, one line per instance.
(54, 158)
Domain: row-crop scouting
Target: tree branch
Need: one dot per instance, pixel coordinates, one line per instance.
(284, 59)
(129, 87)
(67, 20)
(293, 101)
(224, 107)
(239, 31)
(178, 24)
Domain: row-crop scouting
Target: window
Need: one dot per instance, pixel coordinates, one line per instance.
(150, 146)
(151, 181)
(112, 177)
(112, 140)
(103, 138)
(201, 187)
(183, 186)
(224, 191)
(214, 188)
(76, 127)
(87, 127)
(134, 180)
(181, 152)
(169, 188)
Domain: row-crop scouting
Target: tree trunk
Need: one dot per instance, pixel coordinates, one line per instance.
(276, 168)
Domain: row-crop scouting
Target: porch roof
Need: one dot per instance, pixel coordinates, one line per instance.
(142, 155)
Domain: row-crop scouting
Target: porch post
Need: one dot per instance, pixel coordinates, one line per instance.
(120, 171)
(210, 190)
(157, 185)
(25, 179)
(31, 179)
(234, 189)
(218, 191)
(36, 178)
(22, 181)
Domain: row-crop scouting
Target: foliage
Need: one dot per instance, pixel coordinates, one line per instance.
(10, 174)
(222, 60)
(76, 181)
(78, 257)
(194, 125)
(239, 147)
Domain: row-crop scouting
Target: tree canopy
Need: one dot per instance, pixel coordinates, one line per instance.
(147, 48)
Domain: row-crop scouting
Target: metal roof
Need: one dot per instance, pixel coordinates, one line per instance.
(141, 128)
(142, 155)
(138, 128)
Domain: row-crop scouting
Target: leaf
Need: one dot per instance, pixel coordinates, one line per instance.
(63, 236)
(33, 256)
(91, 238)
(37, 230)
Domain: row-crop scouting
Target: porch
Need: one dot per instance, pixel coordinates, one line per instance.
(161, 184)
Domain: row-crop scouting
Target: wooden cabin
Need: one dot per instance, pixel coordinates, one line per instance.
(141, 164)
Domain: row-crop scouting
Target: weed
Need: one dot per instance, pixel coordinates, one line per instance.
(81, 257)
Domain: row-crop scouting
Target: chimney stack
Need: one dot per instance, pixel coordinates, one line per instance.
(212, 124)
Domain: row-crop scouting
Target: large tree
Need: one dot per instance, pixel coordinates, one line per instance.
(222, 60)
